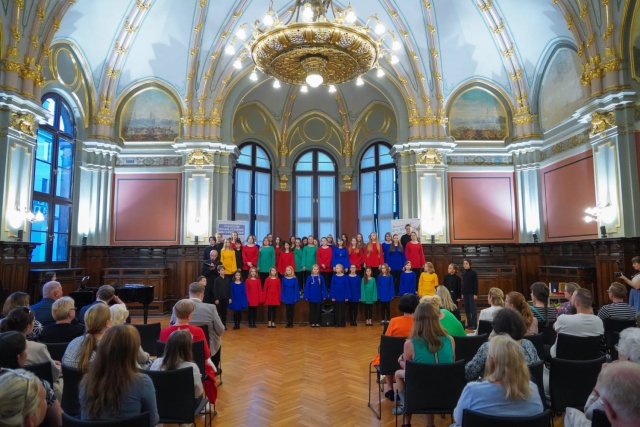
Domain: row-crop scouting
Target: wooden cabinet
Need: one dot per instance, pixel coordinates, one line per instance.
(15, 261)
(583, 275)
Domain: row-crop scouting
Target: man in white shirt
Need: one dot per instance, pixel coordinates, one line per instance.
(582, 324)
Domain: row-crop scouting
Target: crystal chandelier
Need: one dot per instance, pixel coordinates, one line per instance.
(311, 49)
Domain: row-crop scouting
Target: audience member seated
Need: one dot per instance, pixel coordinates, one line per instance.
(506, 390)
(628, 351)
(582, 324)
(567, 306)
(496, 303)
(51, 291)
(178, 355)
(515, 301)
(82, 350)
(618, 309)
(447, 302)
(105, 294)
(506, 322)
(23, 399)
(63, 311)
(13, 355)
(21, 299)
(619, 386)
(113, 388)
(21, 319)
(184, 310)
(447, 320)
(119, 315)
(428, 343)
(400, 326)
(542, 310)
(206, 314)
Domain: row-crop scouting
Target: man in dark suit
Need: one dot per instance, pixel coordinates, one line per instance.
(51, 291)
(206, 314)
(105, 295)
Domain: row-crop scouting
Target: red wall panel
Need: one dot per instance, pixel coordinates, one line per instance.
(568, 188)
(482, 208)
(281, 215)
(146, 209)
(348, 213)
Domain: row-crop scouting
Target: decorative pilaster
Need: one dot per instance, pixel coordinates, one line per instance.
(528, 187)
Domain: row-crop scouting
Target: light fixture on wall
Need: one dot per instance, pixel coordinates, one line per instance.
(17, 217)
(197, 228)
(317, 44)
(601, 212)
(433, 226)
(534, 236)
(603, 231)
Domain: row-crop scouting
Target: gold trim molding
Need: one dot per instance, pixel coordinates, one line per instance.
(24, 122)
(199, 158)
(601, 122)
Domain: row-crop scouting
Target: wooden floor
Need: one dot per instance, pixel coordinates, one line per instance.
(301, 377)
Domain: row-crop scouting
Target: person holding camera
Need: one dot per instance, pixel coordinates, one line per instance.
(634, 282)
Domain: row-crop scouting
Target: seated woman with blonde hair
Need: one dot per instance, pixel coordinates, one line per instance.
(496, 303)
(448, 321)
(506, 389)
(178, 355)
(82, 350)
(447, 302)
(119, 315)
(23, 399)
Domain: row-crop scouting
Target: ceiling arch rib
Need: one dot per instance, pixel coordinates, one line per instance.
(435, 123)
(32, 71)
(192, 79)
(115, 59)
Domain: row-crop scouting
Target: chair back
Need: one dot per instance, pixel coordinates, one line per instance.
(612, 329)
(475, 419)
(599, 419)
(484, 327)
(467, 346)
(41, 370)
(197, 347)
(548, 331)
(174, 395)
(536, 372)
(571, 347)
(572, 381)
(390, 350)
(149, 334)
(433, 388)
(57, 349)
(71, 395)
(142, 419)
(538, 342)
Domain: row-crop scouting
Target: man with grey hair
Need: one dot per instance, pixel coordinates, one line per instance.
(51, 291)
(628, 351)
(105, 294)
(206, 314)
(619, 385)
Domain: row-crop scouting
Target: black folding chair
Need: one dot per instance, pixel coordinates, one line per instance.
(536, 371)
(571, 347)
(57, 349)
(484, 327)
(467, 346)
(70, 397)
(537, 341)
(41, 370)
(135, 421)
(548, 331)
(197, 348)
(149, 334)
(572, 381)
(612, 329)
(476, 419)
(390, 350)
(424, 393)
(205, 329)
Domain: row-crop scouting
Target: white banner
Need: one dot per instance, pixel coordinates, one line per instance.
(228, 227)
(398, 225)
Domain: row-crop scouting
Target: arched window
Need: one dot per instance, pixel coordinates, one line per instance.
(378, 190)
(315, 206)
(53, 182)
(252, 189)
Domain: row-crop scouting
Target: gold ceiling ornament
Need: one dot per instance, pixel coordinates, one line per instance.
(318, 44)
(24, 122)
(430, 157)
(601, 122)
(199, 158)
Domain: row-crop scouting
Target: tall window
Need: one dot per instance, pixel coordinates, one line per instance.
(252, 190)
(378, 190)
(315, 194)
(53, 182)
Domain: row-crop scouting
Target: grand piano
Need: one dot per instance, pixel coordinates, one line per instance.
(142, 294)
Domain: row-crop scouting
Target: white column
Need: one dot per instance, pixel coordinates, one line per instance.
(529, 197)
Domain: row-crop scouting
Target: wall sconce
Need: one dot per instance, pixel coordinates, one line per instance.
(433, 239)
(197, 228)
(84, 240)
(17, 217)
(20, 236)
(605, 213)
(603, 231)
(433, 226)
(535, 238)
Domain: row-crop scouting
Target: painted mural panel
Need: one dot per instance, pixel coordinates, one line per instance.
(477, 115)
(150, 115)
(561, 92)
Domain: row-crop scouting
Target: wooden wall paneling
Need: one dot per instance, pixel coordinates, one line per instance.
(15, 262)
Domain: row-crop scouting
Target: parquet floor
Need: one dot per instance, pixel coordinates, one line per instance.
(301, 377)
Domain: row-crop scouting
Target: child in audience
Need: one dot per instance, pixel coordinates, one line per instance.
(353, 281)
(339, 295)
(385, 292)
(177, 355)
(254, 293)
(407, 280)
(428, 281)
(271, 296)
(290, 294)
(315, 291)
(368, 295)
(238, 298)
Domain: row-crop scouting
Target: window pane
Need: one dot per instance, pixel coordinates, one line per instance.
(44, 146)
(262, 229)
(385, 156)
(66, 120)
(367, 202)
(42, 177)
(324, 163)
(305, 163)
(262, 160)
(263, 193)
(61, 219)
(369, 159)
(64, 171)
(60, 245)
(50, 105)
(245, 155)
(304, 206)
(243, 194)
(40, 206)
(39, 252)
(326, 188)
(304, 228)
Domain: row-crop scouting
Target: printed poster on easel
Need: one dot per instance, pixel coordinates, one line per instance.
(398, 225)
(228, 227)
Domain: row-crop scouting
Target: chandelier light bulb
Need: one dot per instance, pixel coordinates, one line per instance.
(229, 50)
(307, 13)
(380, 72)
(359, 81)
(379, 28)
(39, 216)
(237, 64)
(314, 79)
(588, 219)
(254, 76)
(241, 33)
(304, 89)
(332, 89)
(268, 19)
(396, 45)
(276, 84)
(351, 16)
(30, 216)
(394, 59)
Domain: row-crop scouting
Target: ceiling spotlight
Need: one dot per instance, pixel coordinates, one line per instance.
(380, 72)
(379, 28)
(394, 59)
(276, 84)
(237, 64)
(332, 89)
(304, 89)
(359, 81)
(253, 76)
(229, 50)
